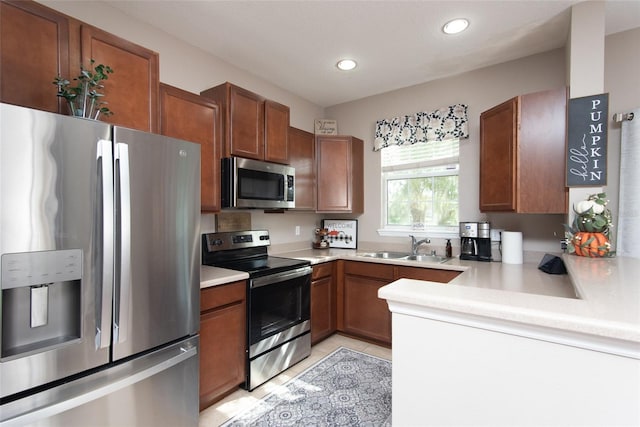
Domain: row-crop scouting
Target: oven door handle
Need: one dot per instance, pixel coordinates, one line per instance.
(279, 277)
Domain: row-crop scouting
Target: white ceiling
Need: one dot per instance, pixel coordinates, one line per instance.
(296, 44)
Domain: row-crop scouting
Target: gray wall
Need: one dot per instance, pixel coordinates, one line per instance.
(194, 70)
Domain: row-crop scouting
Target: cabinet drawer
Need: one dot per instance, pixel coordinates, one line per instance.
(369, 269)
(430, 274)
(218, 296)
(322, 270)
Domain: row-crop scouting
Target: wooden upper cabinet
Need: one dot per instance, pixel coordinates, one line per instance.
(498, 174)
(340, 174)
(276, 129)
(34, 50)
(302, 157)
(194, 118)
(522, 154)
(254, 128)
(132, 89)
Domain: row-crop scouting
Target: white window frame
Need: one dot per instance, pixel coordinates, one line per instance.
(446, 232)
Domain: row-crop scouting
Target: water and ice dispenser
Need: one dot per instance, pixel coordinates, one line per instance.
(41, 301)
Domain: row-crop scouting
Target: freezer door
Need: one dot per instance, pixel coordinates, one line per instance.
(157, 389)
(156, 295)
(56, 245)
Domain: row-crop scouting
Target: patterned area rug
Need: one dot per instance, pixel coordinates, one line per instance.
(346, 388)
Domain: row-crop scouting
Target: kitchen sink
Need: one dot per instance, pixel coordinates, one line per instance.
(426, 258)
(386, 255)
(437, 259)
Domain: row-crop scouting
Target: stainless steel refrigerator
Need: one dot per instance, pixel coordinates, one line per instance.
(99, 239)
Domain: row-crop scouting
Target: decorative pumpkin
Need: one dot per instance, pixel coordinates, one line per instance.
(590, 244)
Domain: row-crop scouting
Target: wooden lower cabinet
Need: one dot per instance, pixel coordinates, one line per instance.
(323, 302)
(360, 312)
(222, 341)
(363, 314)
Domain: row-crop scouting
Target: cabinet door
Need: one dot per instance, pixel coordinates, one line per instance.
(187, 116)
(246, 124)
(35, 49)
(541, 152)
(323, 308)
(360, 311)
(132, 89)
(222, 341)
(340, 174)
(498, 150)
(365, 314)
(302, 157)
(276, 122)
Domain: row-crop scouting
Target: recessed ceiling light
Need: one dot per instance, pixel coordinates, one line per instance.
(346, 64)
(455, 26)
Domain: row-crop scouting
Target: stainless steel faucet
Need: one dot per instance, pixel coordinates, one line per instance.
(415, 243)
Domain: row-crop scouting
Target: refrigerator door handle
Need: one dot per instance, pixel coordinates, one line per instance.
(104, 286)
(123, 299)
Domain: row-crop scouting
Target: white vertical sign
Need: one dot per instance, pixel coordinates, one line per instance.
(629, 203)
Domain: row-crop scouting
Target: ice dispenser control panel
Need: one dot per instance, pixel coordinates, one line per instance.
(37, 268)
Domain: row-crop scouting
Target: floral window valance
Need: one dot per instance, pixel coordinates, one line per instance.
(444, 123)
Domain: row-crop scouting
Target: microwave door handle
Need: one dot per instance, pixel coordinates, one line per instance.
(104, 157)
(122, 310)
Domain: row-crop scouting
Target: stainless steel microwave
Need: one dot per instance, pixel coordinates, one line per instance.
(256, 184)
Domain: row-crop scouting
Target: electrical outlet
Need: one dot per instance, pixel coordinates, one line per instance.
(297, 230)
(496, 235)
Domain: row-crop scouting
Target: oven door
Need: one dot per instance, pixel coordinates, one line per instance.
(279, 307)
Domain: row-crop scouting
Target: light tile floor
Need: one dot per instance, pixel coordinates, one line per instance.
(241, 399)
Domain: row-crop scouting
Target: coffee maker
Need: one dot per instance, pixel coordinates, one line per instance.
(475, 241)
(468, 240)
(484, 241)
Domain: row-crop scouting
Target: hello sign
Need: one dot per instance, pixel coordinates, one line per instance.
(587, 141)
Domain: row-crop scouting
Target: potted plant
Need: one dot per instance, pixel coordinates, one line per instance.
(589, 233)
(83, 98)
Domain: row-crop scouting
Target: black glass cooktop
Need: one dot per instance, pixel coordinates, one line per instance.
(257, 267)
(245, 251)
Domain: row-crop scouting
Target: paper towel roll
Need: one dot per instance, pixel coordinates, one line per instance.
(512, 247)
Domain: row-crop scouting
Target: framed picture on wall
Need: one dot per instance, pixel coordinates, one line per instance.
(326, 127)
(343, 233)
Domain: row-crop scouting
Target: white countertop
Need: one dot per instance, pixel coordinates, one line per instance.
(607, 306)
(214, 276)
(493, 275)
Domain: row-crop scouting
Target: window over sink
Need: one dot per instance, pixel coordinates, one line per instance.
(420, 188)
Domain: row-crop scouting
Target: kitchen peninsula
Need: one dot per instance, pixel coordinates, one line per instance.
(495, 357)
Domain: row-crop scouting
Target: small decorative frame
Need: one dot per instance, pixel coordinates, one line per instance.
(343, 233)
(326, 127)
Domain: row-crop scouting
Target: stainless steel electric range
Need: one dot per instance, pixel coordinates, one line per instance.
(278, 300)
